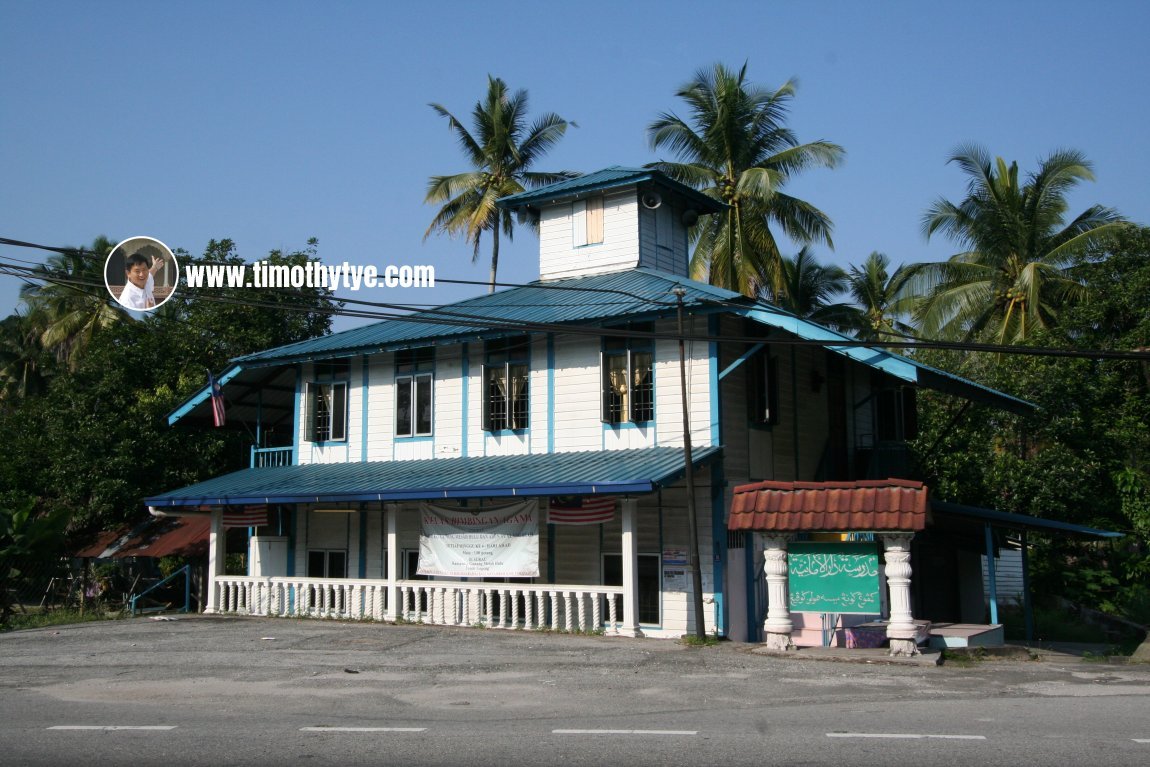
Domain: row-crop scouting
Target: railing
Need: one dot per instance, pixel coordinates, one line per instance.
(270, 456)
(450, 603)
(185, 571)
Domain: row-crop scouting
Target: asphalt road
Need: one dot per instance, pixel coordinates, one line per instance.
(204, 690)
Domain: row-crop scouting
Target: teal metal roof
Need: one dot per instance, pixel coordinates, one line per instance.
(609, 178)
(893, 364)
(597, 298)
(1011, 521)
(611, 472)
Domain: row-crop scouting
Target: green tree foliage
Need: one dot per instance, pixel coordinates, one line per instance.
(96, 442)
(809, 290)
(501, 149)
(1084, 455)
(23, 362)
(880, 299)
(734, 146)
(69, 303)
(1010, 281)
(26, 535)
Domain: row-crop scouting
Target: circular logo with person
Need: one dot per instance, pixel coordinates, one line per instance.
(141, 273)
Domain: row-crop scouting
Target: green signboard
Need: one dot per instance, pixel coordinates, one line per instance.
(834, 577)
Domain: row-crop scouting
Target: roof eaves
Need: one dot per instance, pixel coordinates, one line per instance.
(202, 395)
(888, 362)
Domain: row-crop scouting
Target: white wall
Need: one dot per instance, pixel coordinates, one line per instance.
(560, 258)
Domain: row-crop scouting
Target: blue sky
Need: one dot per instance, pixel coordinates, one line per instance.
(270, 123)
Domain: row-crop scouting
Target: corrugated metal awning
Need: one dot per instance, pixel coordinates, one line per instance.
(1010, 521)
(610, 472)
(171, 536)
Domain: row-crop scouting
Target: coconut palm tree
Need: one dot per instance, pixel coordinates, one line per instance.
(21, 370)
(810, 288)
(70, 301)
(1011, 277)
(501, 148)
(880, 299)
(735, 147)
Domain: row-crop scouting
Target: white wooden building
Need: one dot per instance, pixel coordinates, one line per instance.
(565, 388)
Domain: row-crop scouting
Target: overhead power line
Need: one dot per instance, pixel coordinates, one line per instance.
(446, 316)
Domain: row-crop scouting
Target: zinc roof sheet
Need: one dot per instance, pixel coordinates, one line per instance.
(177, 536)
(609, 178)
(577, 473)
(596, 298)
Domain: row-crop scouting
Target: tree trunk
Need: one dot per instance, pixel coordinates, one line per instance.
(494, 256)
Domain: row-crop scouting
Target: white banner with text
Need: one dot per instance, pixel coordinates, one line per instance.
(487, 542)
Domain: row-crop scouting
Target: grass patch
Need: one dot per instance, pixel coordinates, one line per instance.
(37, 619)
(690, 640)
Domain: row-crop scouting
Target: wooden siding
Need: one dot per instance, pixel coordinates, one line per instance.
(559, 257)
(663, 243)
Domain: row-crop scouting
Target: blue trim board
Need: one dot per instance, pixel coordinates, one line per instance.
(363, 405)
(464, 371)
(297, 419)
(362, 542)
(202, 395)
(550, 392)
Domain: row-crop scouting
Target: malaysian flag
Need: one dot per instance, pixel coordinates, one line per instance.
(581, 510)
(246, 516)
(218, 415)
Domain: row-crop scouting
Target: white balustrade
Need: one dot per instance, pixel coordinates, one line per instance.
(541, 606)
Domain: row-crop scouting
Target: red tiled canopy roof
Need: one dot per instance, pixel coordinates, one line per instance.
(887, 504)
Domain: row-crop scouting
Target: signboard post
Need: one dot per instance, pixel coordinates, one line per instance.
(834, 577)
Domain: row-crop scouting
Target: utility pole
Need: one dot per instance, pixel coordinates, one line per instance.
(692, 522)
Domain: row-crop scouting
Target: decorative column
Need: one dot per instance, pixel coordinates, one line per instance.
(901, 630)
(778, 625)
(394, 609)
(630, 551)
(217, 554)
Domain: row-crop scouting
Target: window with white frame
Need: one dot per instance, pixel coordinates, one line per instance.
(327, 411)
(326, 401)
(587, 221)
(414, 380)
(506, 384)
(628, 377)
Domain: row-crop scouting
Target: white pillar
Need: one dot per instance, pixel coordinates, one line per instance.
(394, 609)
(217, 553)
(630, 550)
(900, 630)
(778, 626)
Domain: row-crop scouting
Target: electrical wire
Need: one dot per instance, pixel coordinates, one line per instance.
(472, 322)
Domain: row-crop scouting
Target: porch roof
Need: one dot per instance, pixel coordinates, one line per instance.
(606, 472)
(872, 505)
(866, 505)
